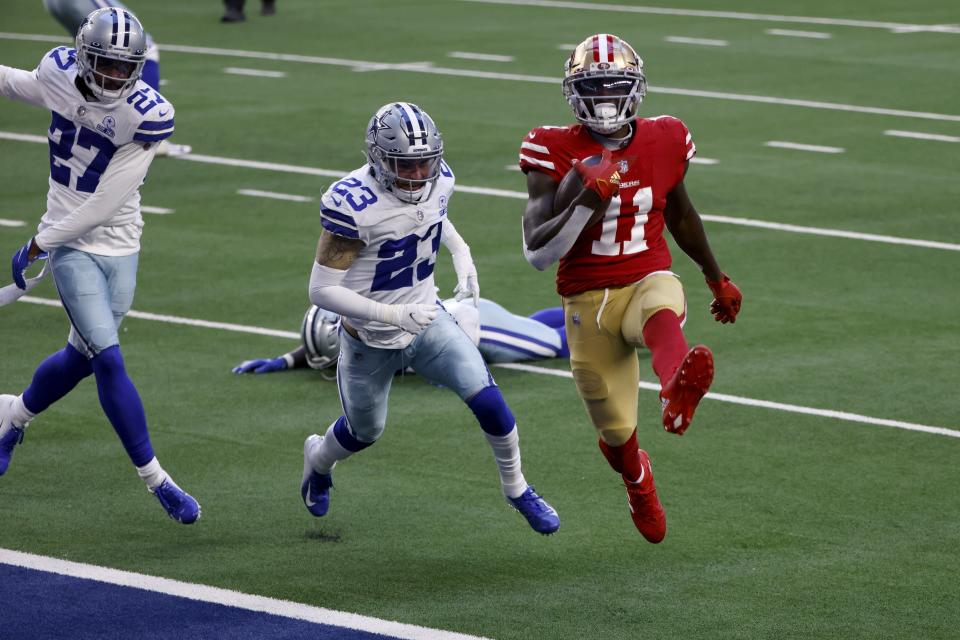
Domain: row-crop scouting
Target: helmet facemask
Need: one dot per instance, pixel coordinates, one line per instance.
(604, 83)
(111, 51)
(404, 150)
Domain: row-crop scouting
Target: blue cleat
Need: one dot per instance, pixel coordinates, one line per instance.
(8, 441)
(542, 517)
(179, 504)
(315, 487)
(12, 434)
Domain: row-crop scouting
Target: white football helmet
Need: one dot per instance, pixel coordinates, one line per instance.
(404, 149)
(321, 340)
(604, 83)
(111, 49)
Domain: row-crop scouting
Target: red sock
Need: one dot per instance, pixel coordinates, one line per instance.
(664, 337)
(624, 459)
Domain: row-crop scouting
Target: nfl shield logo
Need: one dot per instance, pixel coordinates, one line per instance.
(624, 166)
(419, 215)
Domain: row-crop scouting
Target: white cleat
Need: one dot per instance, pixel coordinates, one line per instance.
(172, 149)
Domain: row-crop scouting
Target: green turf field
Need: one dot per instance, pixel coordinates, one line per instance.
(781, 524)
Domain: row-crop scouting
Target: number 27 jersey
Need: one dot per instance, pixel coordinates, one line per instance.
(628, 243)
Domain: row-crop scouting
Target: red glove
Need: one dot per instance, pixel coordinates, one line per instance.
(600, 174)
(726, 300)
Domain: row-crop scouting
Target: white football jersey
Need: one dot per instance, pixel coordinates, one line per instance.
(402, 240)
(84, 137)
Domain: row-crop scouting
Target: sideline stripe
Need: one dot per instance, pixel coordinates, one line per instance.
(192, 322)
(920, 136)
(256, 193)
(732, 15)
(703, 41)
(766, 404)
(818, 35)
(832, 233)
(519, 195)
(228, 597)
(791, 408)
(419, 67)
(259, 73)
(778, 144)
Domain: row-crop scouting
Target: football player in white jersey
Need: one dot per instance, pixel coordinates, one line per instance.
(382, 229)
(72, 13)
(500, 336)
(103, 137)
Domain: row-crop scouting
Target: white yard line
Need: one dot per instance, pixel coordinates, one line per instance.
(256, 193)
(707, 42)
(160, 211)
(419, 67)
(778, 406)
(706, 161)
(259, 73)
(487, 57)
(11, 223)
(796, 146)
(227, 597)
(920, 136)
(729, 15)
(817, 35)
(520, 195)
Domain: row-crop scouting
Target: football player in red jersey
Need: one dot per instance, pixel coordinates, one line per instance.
(614, 274)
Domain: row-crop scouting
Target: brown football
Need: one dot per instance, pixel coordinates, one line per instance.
(571, 186)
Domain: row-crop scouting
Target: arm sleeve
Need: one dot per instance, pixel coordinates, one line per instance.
(119, 182)
(21, 85)
(327, 292)
(459, 249)
(560, 244)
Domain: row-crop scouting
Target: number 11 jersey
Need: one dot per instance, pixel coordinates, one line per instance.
(628, 243)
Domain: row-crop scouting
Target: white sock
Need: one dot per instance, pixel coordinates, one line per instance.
(152, 473)
(506, 451)
(20, 416)
(325, 452)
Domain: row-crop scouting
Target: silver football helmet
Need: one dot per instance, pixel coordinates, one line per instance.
(404, 150)
(111, 49)
(319, 332)
(604, 83)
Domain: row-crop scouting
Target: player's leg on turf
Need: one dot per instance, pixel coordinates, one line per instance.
(655, 317)
(606, 371)
(364, 377)
(507, 337)
(445, 355)
(97, 292)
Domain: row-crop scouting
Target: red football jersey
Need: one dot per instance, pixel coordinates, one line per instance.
(628, 243)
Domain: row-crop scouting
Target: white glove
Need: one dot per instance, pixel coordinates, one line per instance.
(468, 286)
(412, 318)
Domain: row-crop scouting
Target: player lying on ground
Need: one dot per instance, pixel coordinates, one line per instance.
(500, 336)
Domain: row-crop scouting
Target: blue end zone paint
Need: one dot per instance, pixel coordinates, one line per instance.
(40, 605)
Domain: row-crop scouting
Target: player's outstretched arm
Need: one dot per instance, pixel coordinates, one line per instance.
(295, 359)
(335, 255)
(21, 85)
(548, 234)
(685, 225)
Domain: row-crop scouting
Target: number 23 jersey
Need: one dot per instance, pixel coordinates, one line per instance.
(628, 243)
(401, 243)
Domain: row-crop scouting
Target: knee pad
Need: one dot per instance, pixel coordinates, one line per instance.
(590, 383)
(345, 436)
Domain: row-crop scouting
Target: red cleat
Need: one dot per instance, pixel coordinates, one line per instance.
(645, 507)
(682, 393)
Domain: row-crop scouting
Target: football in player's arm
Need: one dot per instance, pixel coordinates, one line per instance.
(105, 130)
(600, 194)
(382, 228)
